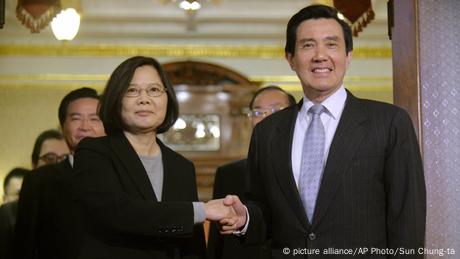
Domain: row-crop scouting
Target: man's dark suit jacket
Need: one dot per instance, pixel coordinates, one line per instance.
(47, 224)
(123, 216)
(231, 179)
(372, 193)
(8, 213)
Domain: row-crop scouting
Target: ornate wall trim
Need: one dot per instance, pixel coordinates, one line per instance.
(223, 51)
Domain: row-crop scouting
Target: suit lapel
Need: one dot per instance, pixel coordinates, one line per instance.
(132, 165)
(282, 148)
(346, 141)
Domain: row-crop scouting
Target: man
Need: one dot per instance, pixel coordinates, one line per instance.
(47, 224)
(49, 148)
(341, 177)
(12, 184)
(231, 178)
(11, 187)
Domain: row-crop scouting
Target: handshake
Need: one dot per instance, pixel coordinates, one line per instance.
(229, 213)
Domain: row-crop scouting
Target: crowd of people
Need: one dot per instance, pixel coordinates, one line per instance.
(331, 171)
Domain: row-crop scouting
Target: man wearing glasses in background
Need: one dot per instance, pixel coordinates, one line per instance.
(231, 178)
(47, 225)
(49, 148)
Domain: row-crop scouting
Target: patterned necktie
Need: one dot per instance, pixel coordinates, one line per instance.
(312, 161)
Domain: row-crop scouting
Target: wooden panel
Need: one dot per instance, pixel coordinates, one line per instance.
(213, 89)
(406, 80)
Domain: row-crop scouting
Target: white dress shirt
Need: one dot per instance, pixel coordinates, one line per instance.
(330, 118)
(334, 105)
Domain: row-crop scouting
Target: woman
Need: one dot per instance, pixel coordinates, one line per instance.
(137, 195)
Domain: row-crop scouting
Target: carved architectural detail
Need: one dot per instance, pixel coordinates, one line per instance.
(216, 90)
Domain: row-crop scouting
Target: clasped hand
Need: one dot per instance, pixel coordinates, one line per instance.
(229, 213)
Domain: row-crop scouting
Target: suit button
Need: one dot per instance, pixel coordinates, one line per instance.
(311, 236)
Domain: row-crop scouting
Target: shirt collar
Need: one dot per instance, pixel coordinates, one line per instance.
(70, 156)
(334, 104)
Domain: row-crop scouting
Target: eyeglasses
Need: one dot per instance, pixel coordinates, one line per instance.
(151, 90)
(261, 113)
(52, 158)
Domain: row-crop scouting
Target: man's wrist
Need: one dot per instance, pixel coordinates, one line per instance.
(242, 231)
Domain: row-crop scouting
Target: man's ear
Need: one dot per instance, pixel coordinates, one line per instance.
(348, 59)
(289, 58)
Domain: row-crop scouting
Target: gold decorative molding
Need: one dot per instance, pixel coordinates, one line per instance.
(104, 77)
(54, 77)
(97, 81)
(295, 79)
(224, 51)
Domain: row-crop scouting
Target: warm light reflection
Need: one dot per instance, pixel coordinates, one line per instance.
(200, 130)
(180, 124)
(341, 17)
(182, 96)
(215, 131)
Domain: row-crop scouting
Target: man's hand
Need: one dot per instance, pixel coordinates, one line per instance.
(216, 210)
(235, 223)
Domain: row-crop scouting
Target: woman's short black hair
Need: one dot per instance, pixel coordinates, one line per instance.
(111, 99)
(44, 136)
(315, 12)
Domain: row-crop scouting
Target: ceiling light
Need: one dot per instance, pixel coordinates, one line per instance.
(190, 5)
(66, 24)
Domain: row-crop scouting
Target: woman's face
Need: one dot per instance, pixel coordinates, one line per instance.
(145, 101)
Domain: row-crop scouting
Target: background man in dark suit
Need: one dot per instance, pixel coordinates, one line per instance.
(49, 148)
(231, 178)
(47, 224)
(11, 187)
(370, 193)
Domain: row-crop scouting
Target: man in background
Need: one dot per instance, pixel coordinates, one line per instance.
(11, 187)
(232, 178)
(12, 184)
(49, 148)
(47, 224)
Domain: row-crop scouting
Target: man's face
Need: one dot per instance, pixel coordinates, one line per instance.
(320, 59)
(82, 121)
(266, 103)
(12, 190)
(52, 151)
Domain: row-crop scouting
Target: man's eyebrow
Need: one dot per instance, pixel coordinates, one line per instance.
(74, 114)
(306, 39)
(335, 38)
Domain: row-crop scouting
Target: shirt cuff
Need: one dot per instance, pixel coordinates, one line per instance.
(199, 215)
(245, 228)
